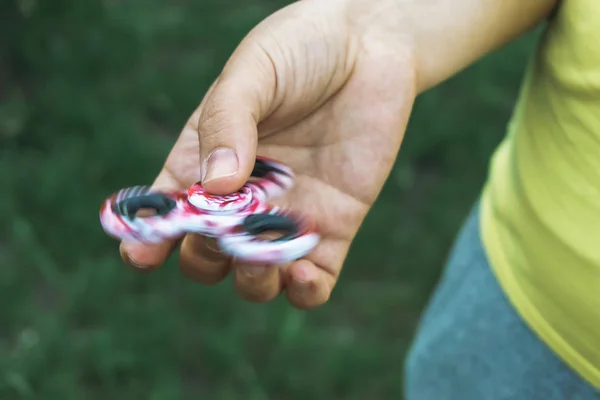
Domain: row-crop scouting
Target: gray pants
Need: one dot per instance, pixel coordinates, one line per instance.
(471, 344)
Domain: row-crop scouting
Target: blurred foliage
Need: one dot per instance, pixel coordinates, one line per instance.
(92, 95)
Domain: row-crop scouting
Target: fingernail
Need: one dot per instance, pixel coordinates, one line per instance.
(222, 162)
(253, 271)
(136, 264)
(304, 275)
(127, 249)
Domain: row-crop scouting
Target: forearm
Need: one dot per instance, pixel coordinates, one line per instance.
(445, 36)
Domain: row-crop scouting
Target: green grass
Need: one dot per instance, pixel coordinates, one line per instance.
(92, 96)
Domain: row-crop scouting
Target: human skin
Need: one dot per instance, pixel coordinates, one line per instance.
(327, 87)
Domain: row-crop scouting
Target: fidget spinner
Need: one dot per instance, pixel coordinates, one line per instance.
(238, 221)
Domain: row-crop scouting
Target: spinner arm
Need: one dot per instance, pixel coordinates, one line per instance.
(239, 220)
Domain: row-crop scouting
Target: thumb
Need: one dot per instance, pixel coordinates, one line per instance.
(242, 96)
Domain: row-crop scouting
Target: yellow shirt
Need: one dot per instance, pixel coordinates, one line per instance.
(540, 210)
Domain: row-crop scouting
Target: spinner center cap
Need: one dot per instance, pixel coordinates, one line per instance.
(219, 203)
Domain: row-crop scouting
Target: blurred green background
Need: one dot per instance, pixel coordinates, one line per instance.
(92, 95)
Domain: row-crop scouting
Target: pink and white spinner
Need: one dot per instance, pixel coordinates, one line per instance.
(237, 220)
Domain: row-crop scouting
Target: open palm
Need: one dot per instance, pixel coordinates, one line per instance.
(331, 105)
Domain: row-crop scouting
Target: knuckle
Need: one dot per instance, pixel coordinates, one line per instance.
(205, 278)
(308, 301)
(213, 121)
(259, 289)
(256, 295)
(200, 264)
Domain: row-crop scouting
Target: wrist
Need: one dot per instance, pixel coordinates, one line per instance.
(380, 27)
(441, 37)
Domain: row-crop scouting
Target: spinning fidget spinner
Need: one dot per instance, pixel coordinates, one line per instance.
(237, 220)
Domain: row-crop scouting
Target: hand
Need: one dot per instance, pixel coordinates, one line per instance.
(311, 87)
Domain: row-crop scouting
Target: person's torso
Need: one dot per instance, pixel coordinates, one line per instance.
(541, 204)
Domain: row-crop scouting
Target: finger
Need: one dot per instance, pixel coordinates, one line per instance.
(308, 286)
(258, 283)
(227, 126)
(148, 257)
(202, 260)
